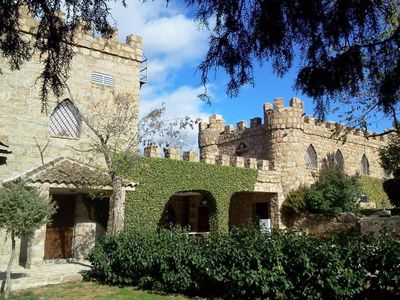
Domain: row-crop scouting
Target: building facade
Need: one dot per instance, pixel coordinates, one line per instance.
(48, 149)
(296, 146)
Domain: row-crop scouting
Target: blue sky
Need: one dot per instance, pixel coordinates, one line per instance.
(175, 46)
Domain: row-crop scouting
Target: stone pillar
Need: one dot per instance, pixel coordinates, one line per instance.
(172, 153)
(84, 230)
(255, 122)
(35, 243)
(152, 151)
(190, 156)
(241, 125)
(285, 150)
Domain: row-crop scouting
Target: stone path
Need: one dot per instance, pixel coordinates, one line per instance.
(50, 273)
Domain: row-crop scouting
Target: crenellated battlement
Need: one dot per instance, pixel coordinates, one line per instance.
(278, 117)
(223, 160)
(90, 45)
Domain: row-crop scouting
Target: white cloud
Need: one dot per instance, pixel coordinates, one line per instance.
(174, 46)
(180, 103)
(171, 39)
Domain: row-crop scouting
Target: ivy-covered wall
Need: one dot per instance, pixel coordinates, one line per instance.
(373, 189)
(160, 178)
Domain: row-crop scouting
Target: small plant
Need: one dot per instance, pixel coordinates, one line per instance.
(22, 210)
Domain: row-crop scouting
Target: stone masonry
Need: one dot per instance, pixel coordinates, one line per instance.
(26, 130)
(283, 139)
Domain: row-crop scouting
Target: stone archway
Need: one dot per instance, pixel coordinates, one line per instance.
(189, 209)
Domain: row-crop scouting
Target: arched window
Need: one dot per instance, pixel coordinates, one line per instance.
(364, 165)
(339, 161)
(65, 120)
(311, 158)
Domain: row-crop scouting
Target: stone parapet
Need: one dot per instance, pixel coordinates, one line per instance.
(152, 151)
(223, 160)
(131, 49)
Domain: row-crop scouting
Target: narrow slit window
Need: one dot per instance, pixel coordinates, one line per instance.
(65, 120)
(339, 161)
(311, 158)
(364, 165)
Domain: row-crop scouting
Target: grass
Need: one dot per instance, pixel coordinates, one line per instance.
(84, 290)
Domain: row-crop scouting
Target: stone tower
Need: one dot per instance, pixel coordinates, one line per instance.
(284, 133)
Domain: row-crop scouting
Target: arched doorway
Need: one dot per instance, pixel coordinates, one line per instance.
(188, 209)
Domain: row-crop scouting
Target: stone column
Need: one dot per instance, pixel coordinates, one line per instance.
(35, 243)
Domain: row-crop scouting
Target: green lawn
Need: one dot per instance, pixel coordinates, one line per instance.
(87, 290)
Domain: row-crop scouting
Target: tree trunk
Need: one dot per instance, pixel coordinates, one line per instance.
(116, 216)
(8, 278)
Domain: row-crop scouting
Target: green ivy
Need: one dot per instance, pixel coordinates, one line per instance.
(373, 189)
(159, 179)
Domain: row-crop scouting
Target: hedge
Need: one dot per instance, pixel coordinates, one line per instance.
(245, 264)
(159, 179)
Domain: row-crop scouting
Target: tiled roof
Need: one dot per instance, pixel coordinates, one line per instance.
(64, 170)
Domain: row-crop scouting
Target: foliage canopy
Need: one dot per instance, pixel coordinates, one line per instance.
(23, 209)
(390, 155)
(346, 49)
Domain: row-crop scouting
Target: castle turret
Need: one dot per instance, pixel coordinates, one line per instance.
(285, 135)
(209, 134)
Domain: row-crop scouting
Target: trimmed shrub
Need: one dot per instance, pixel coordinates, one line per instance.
(245, 264)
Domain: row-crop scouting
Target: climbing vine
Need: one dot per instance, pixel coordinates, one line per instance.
(373, 189)
(159, 179)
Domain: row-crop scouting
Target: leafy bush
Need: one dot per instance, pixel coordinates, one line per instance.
(295, 202)
(373, 189)
(333, 192)
(390, 155)
(245, 264)
(392, 189)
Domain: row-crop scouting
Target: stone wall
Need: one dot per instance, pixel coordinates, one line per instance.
(25, 129)
(283, 139)
(375, 224)
(322, 225)
(268, 183)
(86, 230)
(5, 250)
(242, 207)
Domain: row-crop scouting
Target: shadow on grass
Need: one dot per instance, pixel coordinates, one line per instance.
(24, 295)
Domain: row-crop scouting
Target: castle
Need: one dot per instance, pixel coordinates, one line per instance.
(296, 145)
(285, 150)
